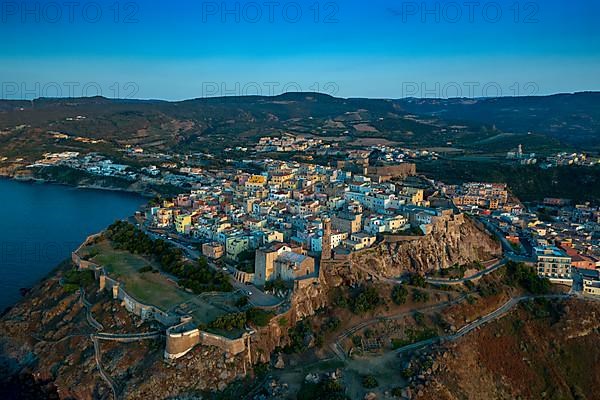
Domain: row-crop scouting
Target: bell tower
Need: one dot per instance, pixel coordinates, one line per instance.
(326, 245)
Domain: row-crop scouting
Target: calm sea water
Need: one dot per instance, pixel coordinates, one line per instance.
(40, 224)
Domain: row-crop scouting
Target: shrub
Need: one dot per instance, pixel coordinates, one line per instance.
(413, 336)
(259, 317)
(416, 280)
(327, 389)
(338, 298)
(70, 288)
(526, 277)
(369, 382)
(79, 278)
(298, 336)
(147, 268)
(399, 294)
(419, 296)
(419, 318)
(470, 285)
(241, 302)
(229, 322)
(331, 324)
(277, 285)
(366, 300)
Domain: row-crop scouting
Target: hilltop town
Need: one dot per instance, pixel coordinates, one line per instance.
(242, 260)
(300, 265)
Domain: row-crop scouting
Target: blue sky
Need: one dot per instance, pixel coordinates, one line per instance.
(187, 49)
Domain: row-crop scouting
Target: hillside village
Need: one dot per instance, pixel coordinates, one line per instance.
(562, 239)
(235, 214)
(270, 231)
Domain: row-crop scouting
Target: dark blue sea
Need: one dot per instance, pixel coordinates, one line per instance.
(40, 224)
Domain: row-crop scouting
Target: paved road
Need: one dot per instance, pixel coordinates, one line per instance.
(88, 313)
(127, 337)
(111, 383)
(99, 335)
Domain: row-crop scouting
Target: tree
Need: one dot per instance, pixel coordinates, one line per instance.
(366, 300)
(419, 296)
(369, 382)
(259, 317)
(229, 322)
(399, 294)
(417, 280)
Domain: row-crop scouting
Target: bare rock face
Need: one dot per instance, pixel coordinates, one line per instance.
(309, 295)
(453, 239)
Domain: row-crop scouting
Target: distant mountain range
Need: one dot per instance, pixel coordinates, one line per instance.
(488, 124)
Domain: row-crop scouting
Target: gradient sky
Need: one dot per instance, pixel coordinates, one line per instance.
(376, 48)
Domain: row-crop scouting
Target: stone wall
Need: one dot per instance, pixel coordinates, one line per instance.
(184, 337)
(243, 277)
(394, 171)
(181, 337)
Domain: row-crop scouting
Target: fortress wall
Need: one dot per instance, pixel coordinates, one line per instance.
(233, 346)
(180, 342)
(401, 238)
(75, 258)
(400, 170)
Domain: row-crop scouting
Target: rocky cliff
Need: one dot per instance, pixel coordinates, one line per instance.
(309, 296)
(47, 334)
(45, 348)
(453, 239)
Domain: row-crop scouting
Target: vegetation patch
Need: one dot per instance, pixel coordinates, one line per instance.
(367, 299)
(327, 388)
(518, 274)
(198, 278)
(414, 336)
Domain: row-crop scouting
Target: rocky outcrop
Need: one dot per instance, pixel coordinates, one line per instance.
(453, 239)
(309, 296)
(45, 347)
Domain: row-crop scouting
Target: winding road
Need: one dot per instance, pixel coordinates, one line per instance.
(337, 346)
(494, 315)
(115, 337)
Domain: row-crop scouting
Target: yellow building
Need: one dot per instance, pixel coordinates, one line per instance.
(183, 222)
(256, 182)
(279, 177)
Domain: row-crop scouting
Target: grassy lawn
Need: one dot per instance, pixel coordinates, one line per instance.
(147, 287)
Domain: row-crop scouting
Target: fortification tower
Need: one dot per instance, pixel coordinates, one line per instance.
(326, 245)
